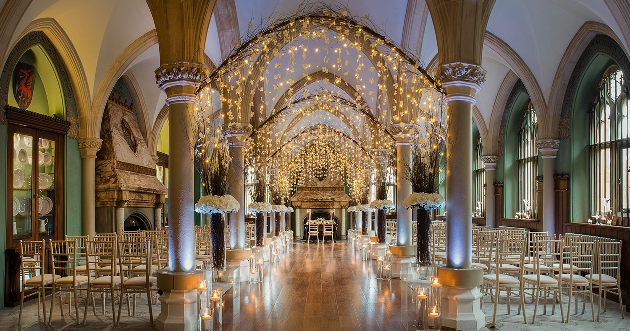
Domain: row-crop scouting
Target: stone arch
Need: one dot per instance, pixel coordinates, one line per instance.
(313, 109)
(52, 37)
(138, 99)
(10, 17)
(578, 44)
(110, 77)
(157, 128)
(517, 90)
(40, 38)
(528, 79)
(491, 145)
(600, 44)
(481, 124)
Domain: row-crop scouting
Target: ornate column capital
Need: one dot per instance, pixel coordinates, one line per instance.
(89, 146)
(490, 162)
(180, 80)
(237, 133)
(402, 133)
(548, 147)
(380, 155)
(460, 80)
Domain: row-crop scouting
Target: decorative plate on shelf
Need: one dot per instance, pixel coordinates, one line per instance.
(28, 141)
(23, 156)
(41, 158)
(47, 159)
(16, 206)
(25, 207)
(45, 181)
(44, 143)
(45, 205)
(18, 178)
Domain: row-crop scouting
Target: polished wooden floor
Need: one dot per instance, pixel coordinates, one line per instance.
(321, 286)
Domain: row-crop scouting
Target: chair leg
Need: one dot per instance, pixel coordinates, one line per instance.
(43, 303)
(536, 305)
(76, 304)
(620, 301)
(150, 308)
(52, 304)
(561, 306)
(87, 302)
(21, 306)
(113, 305)
(569, 303)
(496, 303)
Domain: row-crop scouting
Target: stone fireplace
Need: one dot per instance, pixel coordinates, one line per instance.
(128, 194)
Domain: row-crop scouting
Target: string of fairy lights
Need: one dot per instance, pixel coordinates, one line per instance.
(365, 82)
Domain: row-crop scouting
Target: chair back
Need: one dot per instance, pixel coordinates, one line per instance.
(79, 246)
(63, 257)
(133, 254)
(578, 257)
(105, 237)
(32, 260)
(608, 259)
(313, 227)
(103, 253)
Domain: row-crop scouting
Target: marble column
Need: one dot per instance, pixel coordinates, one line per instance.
(404, 225)
(237, 135)
(460, 295)
(88, 148)
(157, 218)
(359, 217)
(179, 281)
(272, 224)
(549, 149)
(490, 165)
(344, 226)
(120, 216)
(298, 226)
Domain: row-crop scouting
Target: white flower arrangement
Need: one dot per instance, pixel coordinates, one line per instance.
(216, 204)
(259, 207)
(365, 207)
(290, 210)
(382, 204)
(280, 208)
(427, 201)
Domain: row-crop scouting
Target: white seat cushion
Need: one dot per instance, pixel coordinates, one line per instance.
(106, 281)
(67, 281)
(139, 281)
(606, 280)
(480, 266)
(36, 281)
(506, 267)
(544, 279)
(577, 279)
(532, 268)
(503, 279)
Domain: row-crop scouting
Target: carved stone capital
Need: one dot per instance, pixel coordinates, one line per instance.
(490, 162)
(237, 133)
(180, 73)
(548, 147)
(402, 133)
(121, 204)
(461, 73)
(89, 146)
(379, 155)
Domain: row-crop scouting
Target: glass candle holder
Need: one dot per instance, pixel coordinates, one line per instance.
(216, 308)
(422, 301)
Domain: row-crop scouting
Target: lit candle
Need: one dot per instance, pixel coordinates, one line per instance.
(435, 282)
(203, 286)
(215, 296)
(260, 261)
(434, 313)
(206, 315)
(422, 295)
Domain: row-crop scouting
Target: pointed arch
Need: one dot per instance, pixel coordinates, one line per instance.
(138, 99)
(571, 56)
(10, 17)
(157, 128)
(77, 79)
(481, 125)
(491, 145)
(115, 70)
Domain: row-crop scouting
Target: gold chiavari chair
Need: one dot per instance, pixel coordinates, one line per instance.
(541, 278)
(63, 254)
(135, 265)
(107, 280)
(576, 260)
(34, 276)
(79, 246)
(313, 230)
(328, 231)
(606, 277)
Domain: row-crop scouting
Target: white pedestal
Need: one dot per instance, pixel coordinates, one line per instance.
(400, 264)
(179, 301)
(460, 298)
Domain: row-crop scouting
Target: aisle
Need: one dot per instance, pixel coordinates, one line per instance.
(317, 287)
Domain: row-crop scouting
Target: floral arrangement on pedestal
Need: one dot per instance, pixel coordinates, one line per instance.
(382, 204)
(427, 201)
(217, 204)
(260, 207)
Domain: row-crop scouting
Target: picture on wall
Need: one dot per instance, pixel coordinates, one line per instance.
(23, 84)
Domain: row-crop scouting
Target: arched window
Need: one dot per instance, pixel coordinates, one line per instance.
(479, 179)
(609, 145)
(527, 161)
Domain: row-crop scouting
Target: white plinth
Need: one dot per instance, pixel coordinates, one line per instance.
(460, 308)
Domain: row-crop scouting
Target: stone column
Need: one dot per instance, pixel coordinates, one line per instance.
(490, 164)
(120, 216)
(344, 227)
(157, 219)
(237, 135)
(404, 225)
(298, 226)
(179, 281)
(359, 218)
(272, 224)
(549, 149)
(88, 148)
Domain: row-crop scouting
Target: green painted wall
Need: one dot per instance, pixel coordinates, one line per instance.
(72, 185)
(3, 206)
(162, 144)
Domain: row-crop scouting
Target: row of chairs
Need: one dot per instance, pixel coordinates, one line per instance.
(118, 265)
(520, 262)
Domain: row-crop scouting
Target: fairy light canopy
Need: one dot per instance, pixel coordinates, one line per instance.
(321, 89)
